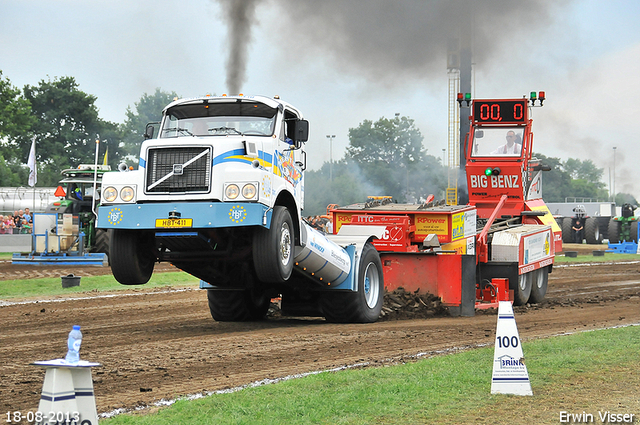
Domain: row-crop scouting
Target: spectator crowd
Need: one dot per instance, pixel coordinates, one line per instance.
(20, 222)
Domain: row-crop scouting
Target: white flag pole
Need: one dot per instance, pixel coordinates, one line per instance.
(33, 170)
(31, 163)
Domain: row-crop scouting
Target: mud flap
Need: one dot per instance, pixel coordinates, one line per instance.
(467, 305)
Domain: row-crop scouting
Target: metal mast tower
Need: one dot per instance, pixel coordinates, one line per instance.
(459, 72)
(453, 151)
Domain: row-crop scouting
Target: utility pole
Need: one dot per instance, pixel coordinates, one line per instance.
(614, 174)
(331, 137)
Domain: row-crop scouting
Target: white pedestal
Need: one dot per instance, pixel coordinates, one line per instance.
(67, 393)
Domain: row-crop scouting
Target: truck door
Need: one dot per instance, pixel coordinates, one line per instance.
(291, 158)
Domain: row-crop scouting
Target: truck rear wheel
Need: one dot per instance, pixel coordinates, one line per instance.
(522, 291)
(592, 231)
(273, 248)
(132, 256)
(539, 285)
(613, 231)
(363, 306)
(567, 231)
(237, 305)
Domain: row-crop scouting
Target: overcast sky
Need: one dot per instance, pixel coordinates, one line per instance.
(343, 61)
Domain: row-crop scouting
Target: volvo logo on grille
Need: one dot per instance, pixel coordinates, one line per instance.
(177, 169)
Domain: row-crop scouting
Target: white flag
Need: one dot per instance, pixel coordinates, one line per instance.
(31, 163)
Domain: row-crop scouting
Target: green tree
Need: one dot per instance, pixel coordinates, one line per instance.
(66, 128)
(148, 109)
(13, 173)
(347, 187)
(581, 188)
(625, 198)
(555, 183)
(571, 179)
(15, 110)
(15, 122)
(392, 158)
(585, 170)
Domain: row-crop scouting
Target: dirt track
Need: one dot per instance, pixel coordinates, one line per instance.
(156, 344)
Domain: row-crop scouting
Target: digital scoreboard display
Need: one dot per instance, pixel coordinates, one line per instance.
(500, 111)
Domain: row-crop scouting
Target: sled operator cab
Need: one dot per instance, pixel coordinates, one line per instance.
(499, 160)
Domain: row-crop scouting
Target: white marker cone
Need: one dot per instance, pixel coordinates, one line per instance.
(67, 393)
(510, 374)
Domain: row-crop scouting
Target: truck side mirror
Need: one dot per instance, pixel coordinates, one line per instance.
(301, 131)
(149, 130)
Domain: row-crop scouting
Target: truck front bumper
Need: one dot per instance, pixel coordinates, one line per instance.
(183, 215)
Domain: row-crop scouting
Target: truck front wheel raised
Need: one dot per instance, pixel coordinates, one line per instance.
(273, 248)
(132, 256)
(363, 306)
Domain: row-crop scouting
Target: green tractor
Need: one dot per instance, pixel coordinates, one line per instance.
(625, 227)
(76, 191)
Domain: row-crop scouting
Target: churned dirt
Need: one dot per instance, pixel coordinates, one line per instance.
(163, 343)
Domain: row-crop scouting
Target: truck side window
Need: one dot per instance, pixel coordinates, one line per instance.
(289, 125)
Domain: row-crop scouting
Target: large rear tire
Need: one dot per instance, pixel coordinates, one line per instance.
(132, 256)
(237, 305)
(273, 248)
(540, 282)
(567, 231)
(633, 231)
(613, 231)
(102, 241)
(522, 291)
(592, 231)
(363, 306)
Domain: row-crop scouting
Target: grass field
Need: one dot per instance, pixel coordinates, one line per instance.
(52, 286)
(607, 257)
(590, 372)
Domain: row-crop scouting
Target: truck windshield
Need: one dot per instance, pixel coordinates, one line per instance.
(219, 119)
(497, 141)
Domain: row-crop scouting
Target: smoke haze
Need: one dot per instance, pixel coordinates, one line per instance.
(384, 41)
(390, 41)
(240, 17)
(344, 61)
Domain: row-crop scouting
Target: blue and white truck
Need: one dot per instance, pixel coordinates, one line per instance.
(219, 193)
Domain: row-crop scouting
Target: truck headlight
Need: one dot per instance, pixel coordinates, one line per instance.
(232, 191)
(249, 191)
(127, 193)
(110, 194)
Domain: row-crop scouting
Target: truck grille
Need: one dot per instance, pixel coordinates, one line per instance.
(185, 169)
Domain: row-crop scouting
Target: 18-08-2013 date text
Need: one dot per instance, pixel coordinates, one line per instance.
(67, 418)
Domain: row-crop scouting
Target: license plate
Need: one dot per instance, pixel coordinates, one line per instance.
(174, 223)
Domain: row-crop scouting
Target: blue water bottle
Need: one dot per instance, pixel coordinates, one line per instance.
(73, 343)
